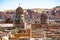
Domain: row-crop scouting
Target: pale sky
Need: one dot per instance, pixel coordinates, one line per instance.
(27, 4)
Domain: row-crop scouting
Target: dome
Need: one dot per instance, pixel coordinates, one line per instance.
(19, 10)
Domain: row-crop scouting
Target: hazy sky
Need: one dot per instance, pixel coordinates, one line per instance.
(13, 4)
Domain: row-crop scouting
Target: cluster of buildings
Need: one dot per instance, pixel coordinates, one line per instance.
(33, 23)
(53, 13)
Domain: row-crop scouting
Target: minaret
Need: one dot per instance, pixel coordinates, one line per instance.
(18, 21)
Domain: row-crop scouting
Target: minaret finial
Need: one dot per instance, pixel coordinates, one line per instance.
(19, 4)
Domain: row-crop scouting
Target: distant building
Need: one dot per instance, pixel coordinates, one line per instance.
(18, 21)
(43, 18)
(57, 11)
(57, 14)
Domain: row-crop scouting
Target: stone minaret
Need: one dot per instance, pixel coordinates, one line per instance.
(18, 21)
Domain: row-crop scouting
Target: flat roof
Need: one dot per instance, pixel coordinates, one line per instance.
(6, 25)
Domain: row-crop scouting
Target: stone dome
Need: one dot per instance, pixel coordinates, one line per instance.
(19, 10)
